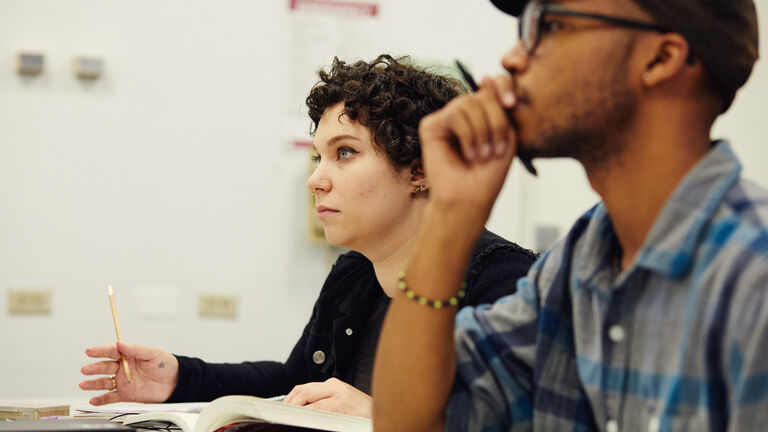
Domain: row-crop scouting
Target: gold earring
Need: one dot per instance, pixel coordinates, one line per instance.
(419, 188)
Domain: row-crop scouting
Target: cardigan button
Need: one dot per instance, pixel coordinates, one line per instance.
(348, 332)
(318, 357)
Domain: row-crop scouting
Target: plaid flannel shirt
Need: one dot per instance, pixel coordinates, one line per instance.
(679, 341)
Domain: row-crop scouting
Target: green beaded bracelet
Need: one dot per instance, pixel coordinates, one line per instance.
(437, 304)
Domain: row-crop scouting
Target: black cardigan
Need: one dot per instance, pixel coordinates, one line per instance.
(325, 349)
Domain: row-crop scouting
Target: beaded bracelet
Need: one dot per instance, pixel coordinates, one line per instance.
(437, 304)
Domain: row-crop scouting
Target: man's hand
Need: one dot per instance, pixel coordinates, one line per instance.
(331, 395)
(468, 146)
(154, 374)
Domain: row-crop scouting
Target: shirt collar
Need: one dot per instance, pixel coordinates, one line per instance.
(675, 235)
(672, 241)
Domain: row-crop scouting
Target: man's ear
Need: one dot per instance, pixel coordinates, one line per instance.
(668, 57)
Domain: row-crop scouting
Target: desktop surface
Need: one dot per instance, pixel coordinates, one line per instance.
(67, 424)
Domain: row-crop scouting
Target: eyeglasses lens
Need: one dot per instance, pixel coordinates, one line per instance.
(529, 25)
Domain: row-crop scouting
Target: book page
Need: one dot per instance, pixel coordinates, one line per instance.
(257, 426)
(231, 409)
(118, 411)
(138, 408)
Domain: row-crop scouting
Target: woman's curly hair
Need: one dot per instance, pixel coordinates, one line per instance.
(387, 96)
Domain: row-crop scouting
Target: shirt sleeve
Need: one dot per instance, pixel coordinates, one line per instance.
(495, 349)
(202, 381)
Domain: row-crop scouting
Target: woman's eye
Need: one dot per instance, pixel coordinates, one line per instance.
(345, 153)
(315, 159)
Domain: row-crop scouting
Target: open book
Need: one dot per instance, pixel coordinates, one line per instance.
(227, 410)
(126, 408)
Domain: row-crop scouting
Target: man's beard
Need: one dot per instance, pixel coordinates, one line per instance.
(592, 121)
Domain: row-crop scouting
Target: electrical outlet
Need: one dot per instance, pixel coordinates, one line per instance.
(217, 306)
(29, 301)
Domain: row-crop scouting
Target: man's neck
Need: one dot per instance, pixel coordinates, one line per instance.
(636, 184)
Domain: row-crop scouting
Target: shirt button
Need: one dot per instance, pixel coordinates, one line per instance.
(348, 332)
(612, 426)
(318, 357)
(653, 424)
(616, 333)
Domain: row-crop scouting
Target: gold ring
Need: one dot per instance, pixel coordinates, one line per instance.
(114, 383)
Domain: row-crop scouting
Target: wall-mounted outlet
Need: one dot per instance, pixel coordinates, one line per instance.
(217, 305)
(29, 301)
(89, 68)
(29, 63)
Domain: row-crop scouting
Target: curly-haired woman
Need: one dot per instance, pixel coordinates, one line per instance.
(370, 192)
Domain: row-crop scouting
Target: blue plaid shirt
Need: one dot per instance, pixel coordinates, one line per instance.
(677, 342)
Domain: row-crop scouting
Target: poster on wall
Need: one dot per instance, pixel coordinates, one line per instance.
(319, 31)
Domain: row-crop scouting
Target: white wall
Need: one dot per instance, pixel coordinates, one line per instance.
(174, 173)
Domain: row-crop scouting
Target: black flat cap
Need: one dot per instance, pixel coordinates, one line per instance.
(512, 7)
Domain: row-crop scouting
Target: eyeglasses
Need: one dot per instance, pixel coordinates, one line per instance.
(532, 24)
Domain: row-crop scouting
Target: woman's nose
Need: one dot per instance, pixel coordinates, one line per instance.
(317, 181)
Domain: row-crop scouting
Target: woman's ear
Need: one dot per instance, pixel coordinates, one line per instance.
(417, 169)
(418, 177)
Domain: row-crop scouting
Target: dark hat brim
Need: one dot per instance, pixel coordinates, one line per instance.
(512, 7)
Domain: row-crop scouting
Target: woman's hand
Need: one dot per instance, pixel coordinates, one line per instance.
(154, 374)
(332, 395)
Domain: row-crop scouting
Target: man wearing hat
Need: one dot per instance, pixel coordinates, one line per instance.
(652, 314)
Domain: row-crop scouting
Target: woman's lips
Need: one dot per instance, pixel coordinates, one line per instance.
(324, 212)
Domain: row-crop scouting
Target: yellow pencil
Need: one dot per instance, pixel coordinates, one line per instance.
(117, 329)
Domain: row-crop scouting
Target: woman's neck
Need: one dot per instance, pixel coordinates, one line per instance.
(392, 256)
(387, 268)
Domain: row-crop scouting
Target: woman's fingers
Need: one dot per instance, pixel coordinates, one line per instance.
(311, 392)
(100, 368)
(103, 351)
(104, 383)
(293, 394)
(139, 352)
(106, 398)
(325, 404)
(305, 394)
